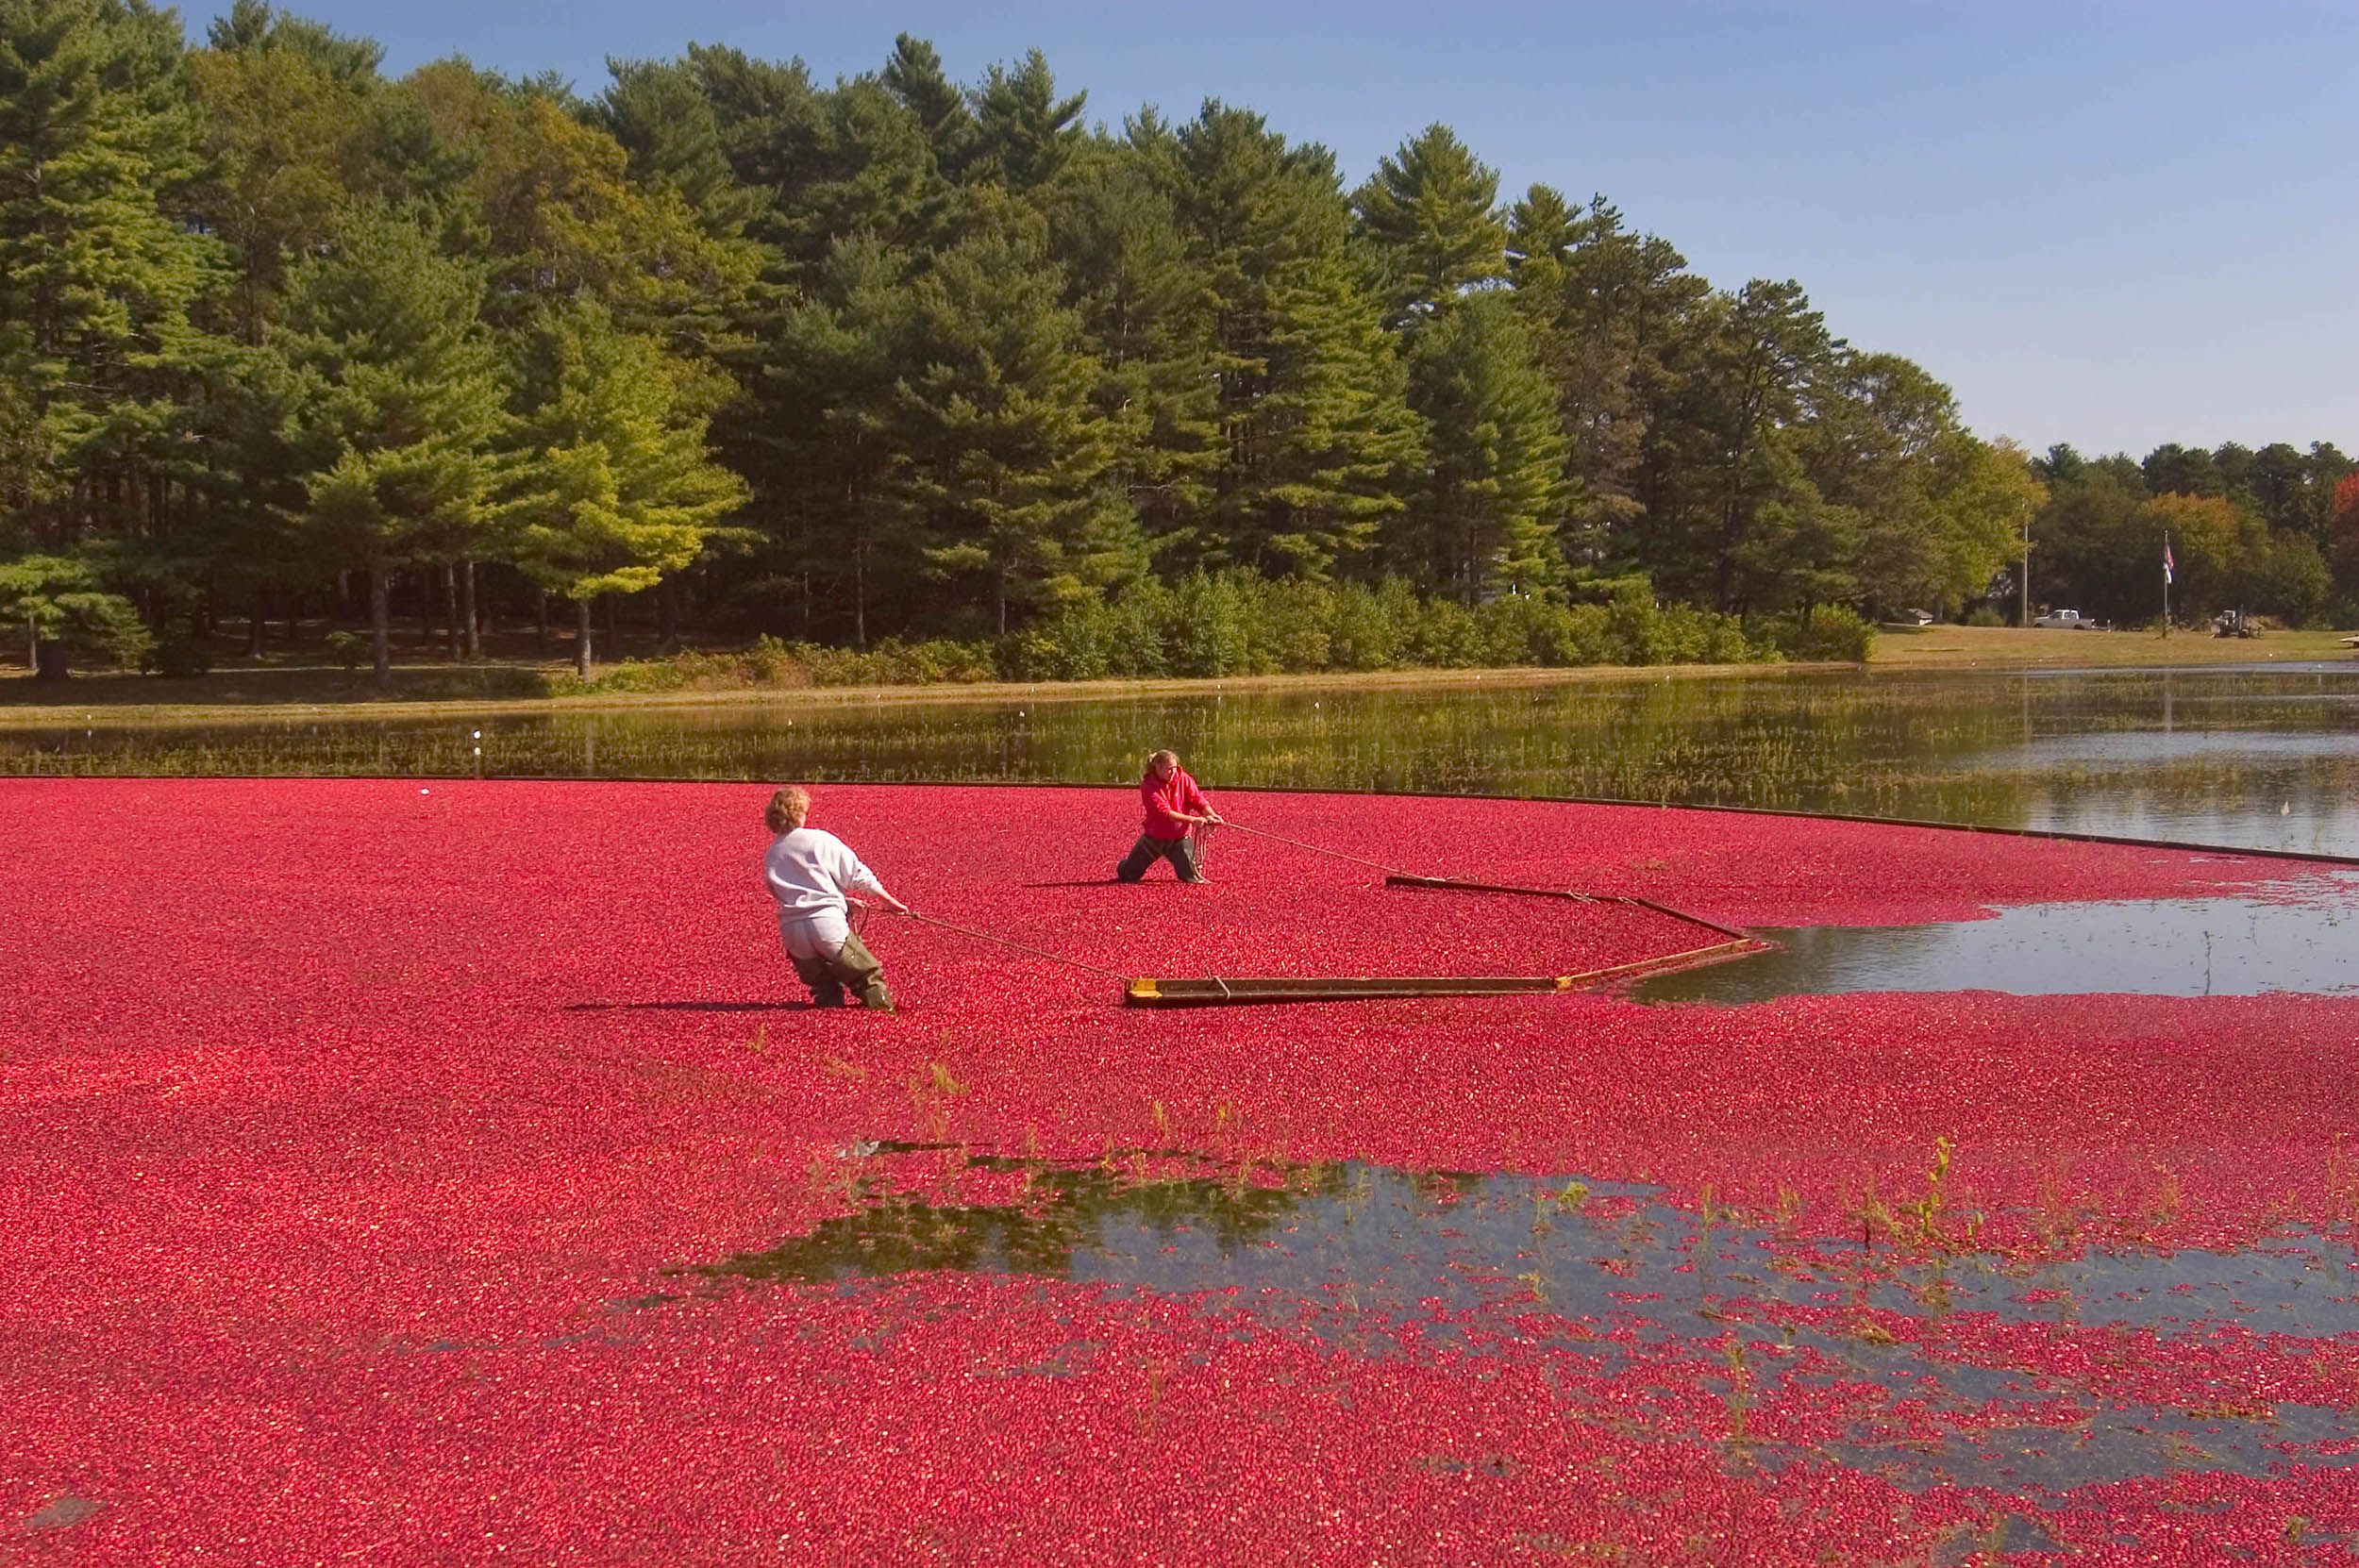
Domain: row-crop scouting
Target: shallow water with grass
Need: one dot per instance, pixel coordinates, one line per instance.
(1384, 1261)
(2263, 757)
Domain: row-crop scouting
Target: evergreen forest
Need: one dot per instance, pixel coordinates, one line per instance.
(721, 352)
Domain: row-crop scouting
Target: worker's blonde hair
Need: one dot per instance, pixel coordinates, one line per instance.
(788, 809)
(1170, 757)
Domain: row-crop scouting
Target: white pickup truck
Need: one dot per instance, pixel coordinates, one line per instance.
(2064, 618)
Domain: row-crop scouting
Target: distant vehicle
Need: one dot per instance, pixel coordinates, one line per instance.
(2072, 618)
(2233, 623)
(1917, 617)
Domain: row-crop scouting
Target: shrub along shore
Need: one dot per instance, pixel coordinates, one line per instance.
(522, 678)
(1209, 626)
(1213, 626)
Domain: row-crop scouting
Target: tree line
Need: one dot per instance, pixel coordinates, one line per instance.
(897, 357)
(2273, 531)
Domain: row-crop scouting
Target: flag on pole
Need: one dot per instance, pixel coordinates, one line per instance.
(2167, 561)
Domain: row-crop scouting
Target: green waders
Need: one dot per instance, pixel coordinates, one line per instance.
(1180, 852)
(853, 966)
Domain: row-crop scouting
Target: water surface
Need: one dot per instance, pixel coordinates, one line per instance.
(2161, 947)
(2264, 758)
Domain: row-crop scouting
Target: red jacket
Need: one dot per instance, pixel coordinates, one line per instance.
(1162, 797)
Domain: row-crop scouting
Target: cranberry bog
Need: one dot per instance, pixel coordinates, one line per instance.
(450, 1172)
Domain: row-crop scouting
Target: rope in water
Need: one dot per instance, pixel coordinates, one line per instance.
(1315, 849)
(1396, 871)
(861, 917)
(1396, 874)
(1004, 941)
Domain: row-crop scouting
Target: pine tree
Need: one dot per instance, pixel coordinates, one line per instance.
(405, 402)
(255, 28)
(615, 486)
(64, 611)
(1147, 312)
(1488, 515)
(1736, 520)
(836, 163)
(1429, 208)
(1010, 456)
(764, 113)
(1542, 229)
(1237, 196)
(659, 115)
(1339, 441)
(288, 131)
(98, 275)
(1024, 133)
(828, 441)
(913, 74)
(1316, 438)
(282, 134)
(1615, 316)
(553, 212)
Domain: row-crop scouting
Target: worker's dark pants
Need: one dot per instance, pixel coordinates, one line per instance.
(1180, 852)
(855, 966)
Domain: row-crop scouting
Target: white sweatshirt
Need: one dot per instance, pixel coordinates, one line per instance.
(807, 872)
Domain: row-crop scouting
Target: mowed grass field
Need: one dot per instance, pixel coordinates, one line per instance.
(1921, 647)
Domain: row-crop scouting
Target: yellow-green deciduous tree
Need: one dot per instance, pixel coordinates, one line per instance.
(615, 485)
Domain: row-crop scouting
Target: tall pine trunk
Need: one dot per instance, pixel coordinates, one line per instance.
(450, 607)
(581, 636)
(860, 595)
(382, 625)
(468, 610)
(859, 566)
(254, 623)
(541, 617)
(667, 613)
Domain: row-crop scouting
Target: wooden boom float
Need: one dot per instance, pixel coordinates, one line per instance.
(1231, 991)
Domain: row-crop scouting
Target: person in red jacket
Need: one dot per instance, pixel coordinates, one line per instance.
(1174, 806)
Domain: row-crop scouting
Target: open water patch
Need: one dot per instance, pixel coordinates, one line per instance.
(1379, 1261)
(2160, 947)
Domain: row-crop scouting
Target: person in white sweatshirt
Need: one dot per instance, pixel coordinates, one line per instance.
(806, 870)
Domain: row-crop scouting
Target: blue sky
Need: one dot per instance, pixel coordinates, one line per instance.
(2107, 223)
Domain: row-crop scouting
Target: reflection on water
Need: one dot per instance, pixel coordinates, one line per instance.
(2168, 947)
(1064, 1212)
(2265, 758)
(1384, 1261)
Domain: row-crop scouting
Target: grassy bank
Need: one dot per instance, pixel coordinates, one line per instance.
(2034, 647)
(424, 686)
(428, 690)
